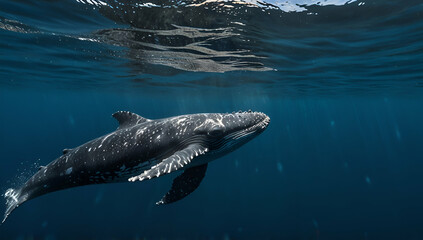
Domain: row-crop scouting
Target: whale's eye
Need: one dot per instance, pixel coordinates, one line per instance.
(215, 132)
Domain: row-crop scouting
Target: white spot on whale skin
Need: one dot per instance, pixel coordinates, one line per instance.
(180, 120)
(69, 171)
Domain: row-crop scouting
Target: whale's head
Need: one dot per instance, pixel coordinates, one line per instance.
(223, 133)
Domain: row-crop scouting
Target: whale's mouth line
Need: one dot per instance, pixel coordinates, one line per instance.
(258, 127)
(238, 136)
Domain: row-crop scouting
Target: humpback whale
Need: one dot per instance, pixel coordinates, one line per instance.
(141, 149)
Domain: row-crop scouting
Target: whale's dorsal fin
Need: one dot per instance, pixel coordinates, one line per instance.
(184, 184)
(175, 162)
(66, 150)
(41, 167)
(128, 119)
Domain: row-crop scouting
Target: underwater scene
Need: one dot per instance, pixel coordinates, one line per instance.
(211, 119)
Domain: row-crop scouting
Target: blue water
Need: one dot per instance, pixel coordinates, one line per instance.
(342, 82)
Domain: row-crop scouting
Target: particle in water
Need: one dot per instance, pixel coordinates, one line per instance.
(397, 133)
(368, 181)
(71, 120)
(279, 166)
(98, 197)
(315, 224)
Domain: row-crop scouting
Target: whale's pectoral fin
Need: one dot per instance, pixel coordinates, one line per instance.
(175, 162)
(128, 119)
(184, 184)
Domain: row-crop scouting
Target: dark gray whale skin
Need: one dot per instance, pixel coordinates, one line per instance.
(143, 149)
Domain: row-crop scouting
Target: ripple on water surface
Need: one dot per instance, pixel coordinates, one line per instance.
(293, 47)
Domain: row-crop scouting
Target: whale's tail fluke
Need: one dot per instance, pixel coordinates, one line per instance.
(13, 199)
